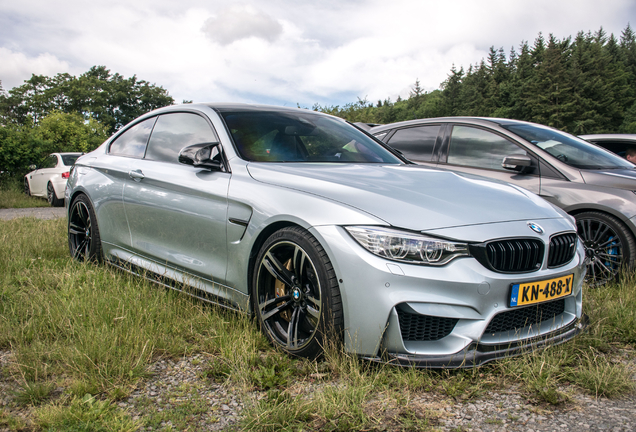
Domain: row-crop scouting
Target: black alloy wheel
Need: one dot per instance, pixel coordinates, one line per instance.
(295, 293)
(27, 188)
(609, 246)
(83, 235)
(53, 200)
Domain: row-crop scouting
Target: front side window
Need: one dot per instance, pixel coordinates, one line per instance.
(283, 136)
(416, 143)
(133, 141)
(569, 149)
(172, 132)
(474, 147)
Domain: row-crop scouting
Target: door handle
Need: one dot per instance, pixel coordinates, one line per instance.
(136, 175)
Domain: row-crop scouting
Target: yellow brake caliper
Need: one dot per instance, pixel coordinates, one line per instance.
(279, 288)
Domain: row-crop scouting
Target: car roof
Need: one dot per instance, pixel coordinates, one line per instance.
(233, 106)
(478, 120)
(609, 137)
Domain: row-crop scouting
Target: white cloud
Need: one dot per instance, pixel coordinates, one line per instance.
(283, 51)
(241, 22)
(15, 67)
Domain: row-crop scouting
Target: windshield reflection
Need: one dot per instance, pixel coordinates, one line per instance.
(276, 136)
(569, 149)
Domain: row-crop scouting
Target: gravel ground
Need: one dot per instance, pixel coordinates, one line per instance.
(180, 387)
(38, 212)
(509, 410)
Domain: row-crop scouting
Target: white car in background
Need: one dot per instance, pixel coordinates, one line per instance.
(49, 179)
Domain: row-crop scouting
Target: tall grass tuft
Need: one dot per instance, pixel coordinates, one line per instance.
(86, 414)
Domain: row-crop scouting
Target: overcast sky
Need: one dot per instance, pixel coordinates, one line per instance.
(283, 52)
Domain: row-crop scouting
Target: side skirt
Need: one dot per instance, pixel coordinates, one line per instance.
(187, 287)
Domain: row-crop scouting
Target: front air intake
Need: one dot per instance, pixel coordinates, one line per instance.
(418, 327)
(516, 319)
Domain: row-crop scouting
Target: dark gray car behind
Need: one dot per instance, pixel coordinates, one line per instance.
(595, 186)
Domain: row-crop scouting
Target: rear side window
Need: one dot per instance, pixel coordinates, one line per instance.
(50, 162)
(133, 141)
(416, 143)
(176, 131)
(478, 148)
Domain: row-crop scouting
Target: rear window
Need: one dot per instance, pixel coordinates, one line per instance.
(69, 160)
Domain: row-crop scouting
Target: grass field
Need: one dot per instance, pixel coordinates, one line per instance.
(81, 337)
(12, 196)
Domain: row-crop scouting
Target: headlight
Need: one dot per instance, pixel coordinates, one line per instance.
(407, 247)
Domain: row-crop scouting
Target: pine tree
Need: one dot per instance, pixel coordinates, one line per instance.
(451, 103)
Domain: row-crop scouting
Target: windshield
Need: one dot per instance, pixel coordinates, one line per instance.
(69, 160)
(569, 149)
(283, 136)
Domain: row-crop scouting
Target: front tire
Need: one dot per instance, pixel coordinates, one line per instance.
(295, 293)
(609, 245)
(52, 198)
(84, 242)
(27, 188)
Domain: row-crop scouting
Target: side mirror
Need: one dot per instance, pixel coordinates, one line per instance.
(517, 162)
(204, 155)
(33, 167)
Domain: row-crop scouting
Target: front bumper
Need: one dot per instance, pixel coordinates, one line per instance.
(477, 354)
(374, 291)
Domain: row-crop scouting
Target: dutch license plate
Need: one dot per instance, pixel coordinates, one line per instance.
(540, 291)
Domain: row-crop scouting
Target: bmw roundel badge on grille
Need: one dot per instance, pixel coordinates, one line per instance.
(535, 227)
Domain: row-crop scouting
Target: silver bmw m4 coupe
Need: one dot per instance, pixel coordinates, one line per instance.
(324, 233)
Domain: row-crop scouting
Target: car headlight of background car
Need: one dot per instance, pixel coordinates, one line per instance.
(407, 247)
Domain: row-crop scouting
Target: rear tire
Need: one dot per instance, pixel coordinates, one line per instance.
(52, 198)
(295, 293)
(608, 244)
(84, 242)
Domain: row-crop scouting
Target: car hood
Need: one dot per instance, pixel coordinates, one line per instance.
(617, 178)
(408, 196)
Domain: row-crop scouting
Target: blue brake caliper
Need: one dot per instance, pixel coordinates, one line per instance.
(612, 251)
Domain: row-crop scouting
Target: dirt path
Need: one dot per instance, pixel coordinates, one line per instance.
(38, 212)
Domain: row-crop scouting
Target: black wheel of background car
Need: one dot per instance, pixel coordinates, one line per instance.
(27, 188)
(608, 245)
(54, 201)
(295, 293)
(83, 235)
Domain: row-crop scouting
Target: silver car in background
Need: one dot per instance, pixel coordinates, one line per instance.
(595, 186)
(325, 233)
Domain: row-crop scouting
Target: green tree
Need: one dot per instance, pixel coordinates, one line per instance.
(109, 98)
(19, 148)
(69, 132)
(451, 101)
